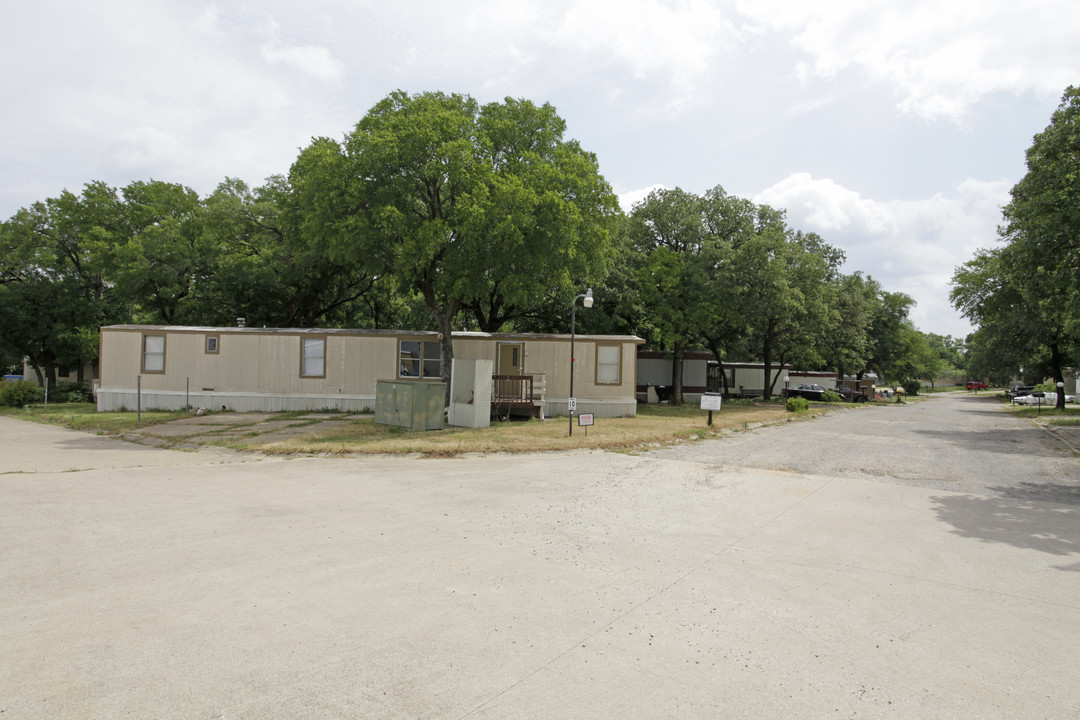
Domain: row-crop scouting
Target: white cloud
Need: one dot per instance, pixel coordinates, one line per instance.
(630, 198)
(827, 206)
(908, 246)
(941, 58)
(678, 38)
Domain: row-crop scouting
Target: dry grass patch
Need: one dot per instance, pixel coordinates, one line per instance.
(654, 425)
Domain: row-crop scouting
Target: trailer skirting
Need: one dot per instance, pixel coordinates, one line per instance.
(113, 400)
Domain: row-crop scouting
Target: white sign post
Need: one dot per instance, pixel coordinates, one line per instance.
(585, 420)
(572, 404)
(710, 402)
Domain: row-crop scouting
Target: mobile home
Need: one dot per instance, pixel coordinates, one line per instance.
(276, 369)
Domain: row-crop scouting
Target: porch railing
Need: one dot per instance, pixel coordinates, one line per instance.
(518, 391)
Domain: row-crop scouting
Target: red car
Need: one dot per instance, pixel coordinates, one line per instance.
(976, 385)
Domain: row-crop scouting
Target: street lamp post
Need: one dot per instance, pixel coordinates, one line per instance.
(787, 379)
(587, 301)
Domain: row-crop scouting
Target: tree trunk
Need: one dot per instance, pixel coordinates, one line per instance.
(50, 376)
(444, 318)
(677, 372)
(766, 358)
(1059, 376)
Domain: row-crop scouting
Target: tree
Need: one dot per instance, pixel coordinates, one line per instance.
(53, 282)
(482, 208)
(849, 349)
(158, 264)
(785, 296)
(1022, 293)
(668, 240)
(890, 336)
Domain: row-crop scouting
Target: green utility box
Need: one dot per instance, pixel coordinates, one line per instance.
(410, 404)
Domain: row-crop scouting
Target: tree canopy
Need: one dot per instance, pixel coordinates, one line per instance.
(438, 212)
(1021, 294)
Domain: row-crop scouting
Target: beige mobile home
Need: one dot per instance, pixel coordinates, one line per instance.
(274, 369)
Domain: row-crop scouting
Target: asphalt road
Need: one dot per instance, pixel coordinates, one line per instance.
(920, 561)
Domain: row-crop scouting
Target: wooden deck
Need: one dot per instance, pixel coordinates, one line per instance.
(518, 392)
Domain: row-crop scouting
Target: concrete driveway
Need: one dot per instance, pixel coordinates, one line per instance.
(745, 577)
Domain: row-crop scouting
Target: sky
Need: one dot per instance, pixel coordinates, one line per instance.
(893, 130)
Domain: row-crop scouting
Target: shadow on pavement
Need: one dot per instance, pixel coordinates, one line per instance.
(1045, 518)
(1014, 441)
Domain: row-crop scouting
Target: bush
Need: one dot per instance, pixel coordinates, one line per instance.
(20, 393)
(830, 396)
(911, 387)
(797, 405)
(70, 392)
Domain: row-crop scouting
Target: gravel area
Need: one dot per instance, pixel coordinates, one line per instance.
(957, 442)
(910, 561)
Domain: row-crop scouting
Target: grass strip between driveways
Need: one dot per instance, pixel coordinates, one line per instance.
(655, 425)
(85, 417)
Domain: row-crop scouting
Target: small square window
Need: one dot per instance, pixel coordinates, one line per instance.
(420, 359)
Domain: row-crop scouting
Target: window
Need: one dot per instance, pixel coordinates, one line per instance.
(153, 354)
(420, 359)
(313, 357)
(211, 344)
(608, 364)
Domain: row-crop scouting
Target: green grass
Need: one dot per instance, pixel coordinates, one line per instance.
(947, 388)
(1050, 414)
(85, 417)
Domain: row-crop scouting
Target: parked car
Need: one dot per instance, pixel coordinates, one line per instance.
(1042, 399)
(851, 394)
(1019, 391)
(976, 385)
(810, 392)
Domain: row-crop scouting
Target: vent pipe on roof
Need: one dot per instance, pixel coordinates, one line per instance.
(241, 322)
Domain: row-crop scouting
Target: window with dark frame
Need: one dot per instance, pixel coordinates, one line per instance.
(420, 359)
(153, 355)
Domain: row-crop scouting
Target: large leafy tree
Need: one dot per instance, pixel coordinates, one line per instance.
(668, 242)
(161, 260)
(786, 297)
(889, 338)
(1022, 293)
(489, 209)
(53, 278)
(849, 348)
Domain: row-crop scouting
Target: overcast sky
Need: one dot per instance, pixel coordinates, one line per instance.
(895, 134)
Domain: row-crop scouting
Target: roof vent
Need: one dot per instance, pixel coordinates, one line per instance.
(241, 322)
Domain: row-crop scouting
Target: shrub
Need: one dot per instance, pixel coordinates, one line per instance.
(911, 387)
(830, 396)
(797, 405)
(70, 392)
(20, 393)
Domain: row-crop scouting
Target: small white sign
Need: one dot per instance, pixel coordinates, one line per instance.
(711, 402)
(572, 402)
(585, 419)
